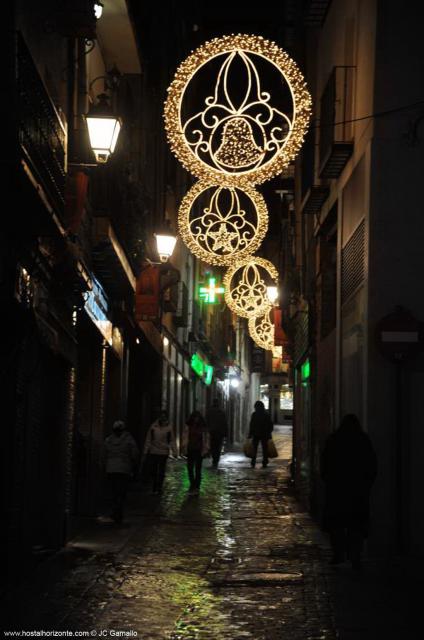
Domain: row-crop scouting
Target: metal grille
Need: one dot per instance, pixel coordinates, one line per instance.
(41, 132)
(315, 12)
(353, 262)
(301, 335)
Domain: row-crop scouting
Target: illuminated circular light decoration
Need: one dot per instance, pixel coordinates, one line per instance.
(246, 284)
(220, 224)
(261, 330)
(240, 131)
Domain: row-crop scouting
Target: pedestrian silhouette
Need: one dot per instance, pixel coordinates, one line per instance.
(216, 421)
(195, 444)
(348, 468)
(260, 429)
(159, 442)
(121, 457)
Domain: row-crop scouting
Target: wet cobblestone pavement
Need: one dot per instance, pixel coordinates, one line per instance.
(241, 560)
(238, 561)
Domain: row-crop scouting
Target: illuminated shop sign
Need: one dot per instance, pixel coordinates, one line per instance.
(305, 371)
(208, 293)
(208, 373)
(201, 368)
(97, 307)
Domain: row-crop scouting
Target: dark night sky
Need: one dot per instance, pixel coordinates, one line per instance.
(204, 20)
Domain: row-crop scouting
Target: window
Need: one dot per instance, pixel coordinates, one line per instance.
(286, 400)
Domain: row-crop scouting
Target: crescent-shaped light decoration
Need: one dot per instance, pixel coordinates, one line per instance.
(261, 330)
(250, 124)
(221, 224)
(246, 284)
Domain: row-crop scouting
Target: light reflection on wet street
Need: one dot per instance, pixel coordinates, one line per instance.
(242, 560)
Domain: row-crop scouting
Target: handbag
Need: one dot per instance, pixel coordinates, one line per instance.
(248, 448)
(272, 449)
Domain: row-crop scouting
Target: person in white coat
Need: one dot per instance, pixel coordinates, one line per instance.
(159, 442)
(121, 456)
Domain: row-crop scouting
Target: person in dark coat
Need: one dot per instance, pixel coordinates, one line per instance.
(216, 421)
(260, 430)
(348, 468)
(195, 445)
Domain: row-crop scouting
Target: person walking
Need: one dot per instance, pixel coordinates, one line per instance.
(348, 469)
(195, 443)
(260, 430)
(216, 421)
(121, 456)
(159, 442)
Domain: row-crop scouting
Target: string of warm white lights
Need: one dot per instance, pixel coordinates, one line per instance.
(220, 224)
(262, 331)
(233, 137)
(249, 297)
(238, 137)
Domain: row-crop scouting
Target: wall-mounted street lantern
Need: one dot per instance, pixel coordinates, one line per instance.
(165, 242)
(103, 128)
(272, 293)
(98, 9)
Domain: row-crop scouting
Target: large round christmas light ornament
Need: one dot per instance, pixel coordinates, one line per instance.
(237, 110)
(246, 283)
(221, 224)
(261, 330)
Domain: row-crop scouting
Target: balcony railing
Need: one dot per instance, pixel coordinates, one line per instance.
(336, 131)
(42, 135)
(314, 199)
(315, 12)
(110, 260)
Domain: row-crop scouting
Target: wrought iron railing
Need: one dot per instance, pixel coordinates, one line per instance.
(336, 131)
(42, 135)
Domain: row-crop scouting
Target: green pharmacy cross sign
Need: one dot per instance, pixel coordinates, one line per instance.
(209, 293)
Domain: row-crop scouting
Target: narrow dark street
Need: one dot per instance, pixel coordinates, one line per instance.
(213, 242)
(242, 560)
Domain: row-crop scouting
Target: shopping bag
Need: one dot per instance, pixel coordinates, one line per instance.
(272, 449)
(248, 448)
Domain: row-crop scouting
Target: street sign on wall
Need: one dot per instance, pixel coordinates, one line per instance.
(399, 335)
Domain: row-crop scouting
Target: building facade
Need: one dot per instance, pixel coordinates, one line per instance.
(357, 229)
(77, 252)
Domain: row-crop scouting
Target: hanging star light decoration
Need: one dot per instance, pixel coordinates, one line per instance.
(261, 330)
(237, 136)
(249, 297)
(223, 239)
(221, 224)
